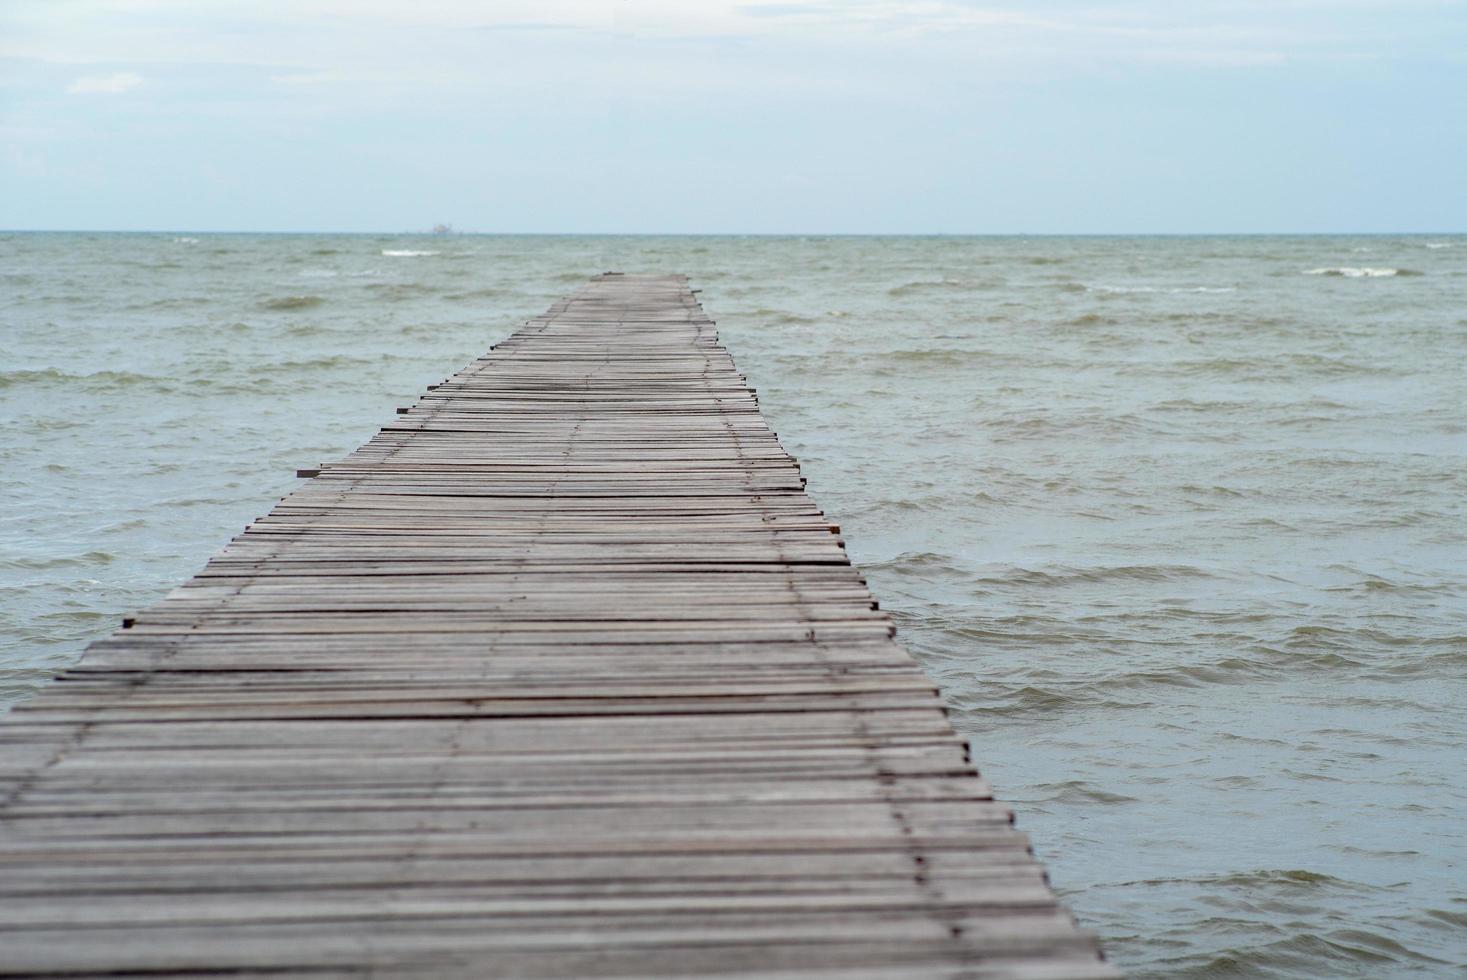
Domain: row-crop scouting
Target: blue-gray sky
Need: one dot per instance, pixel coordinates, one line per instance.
(925, 116)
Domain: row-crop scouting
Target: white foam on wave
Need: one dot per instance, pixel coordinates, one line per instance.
(1438, 244)
(1354, 272)
(187, 241)
(406, 252)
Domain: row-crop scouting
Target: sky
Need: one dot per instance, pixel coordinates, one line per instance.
(720, 116)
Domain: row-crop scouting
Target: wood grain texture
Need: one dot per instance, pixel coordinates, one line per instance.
(560, 675)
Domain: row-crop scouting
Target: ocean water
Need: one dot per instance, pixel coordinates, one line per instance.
(1177, 523)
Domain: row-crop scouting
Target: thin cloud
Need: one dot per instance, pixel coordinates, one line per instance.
(527, 26)
(123, 81)
(304, 37)
(307, 78)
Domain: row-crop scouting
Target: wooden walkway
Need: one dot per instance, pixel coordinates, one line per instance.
(561, 675)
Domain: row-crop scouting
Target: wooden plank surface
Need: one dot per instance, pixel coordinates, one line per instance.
(560, 675)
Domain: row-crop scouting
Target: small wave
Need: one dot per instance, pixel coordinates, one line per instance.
(1081, 792)
(306, 330)
(1360, 272)
(1347, 640)
(1377, 584)
(937, 357)
(421, 329)
(397, 292)
(1211, 491)
(293, 302)
(921, 562)
(1262, 878)
(783, 317)
(1429, 664)
(475, 294)
(1231, 670)
(1023, 426)
(38, 563)
(186, 241)
(1033, 700)
(1283, 367)
(168, 303)
(1341, 953)
(1450, 917)
(927, 285)
(1159, 289)
(313, 364)
(1439, 244)
(96, 381)
(403, 253)
(1090, 320)
(1068, 574)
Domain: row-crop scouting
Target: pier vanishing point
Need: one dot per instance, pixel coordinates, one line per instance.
(560, 675)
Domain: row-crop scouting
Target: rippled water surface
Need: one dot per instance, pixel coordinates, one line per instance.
(1178, 523)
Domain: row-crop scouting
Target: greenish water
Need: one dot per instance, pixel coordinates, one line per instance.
(1178, 523)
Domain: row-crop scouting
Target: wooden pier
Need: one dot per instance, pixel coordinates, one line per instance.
(560, 675)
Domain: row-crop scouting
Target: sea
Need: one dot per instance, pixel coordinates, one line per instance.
(1179, 524)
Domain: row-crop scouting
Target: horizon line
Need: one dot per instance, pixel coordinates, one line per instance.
(731, 234)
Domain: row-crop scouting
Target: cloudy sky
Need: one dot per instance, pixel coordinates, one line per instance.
(929, 116)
